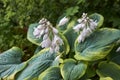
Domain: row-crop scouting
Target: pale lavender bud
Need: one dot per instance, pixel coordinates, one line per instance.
(78, 27)
(42, 32)
(118, 49)
(47, 30)
(89, 30)
(57, 48)
(63, 21)
(36, 32)
(93, 25)
(80, 38)
(79, 20)
(57, 40)
(40, 27)
(57, 58)
(46, 43)
(55, 31)
(45, 36)
(84, 15)
(51, 50)
(85, 33)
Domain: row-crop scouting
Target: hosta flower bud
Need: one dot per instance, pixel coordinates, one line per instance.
(63, 21)
(47, 30)
(55, 31)
(79, 20)
(45, 36)
(78, 27)
(36, 32)
(46, 43)
(57, 58)
(118, 49)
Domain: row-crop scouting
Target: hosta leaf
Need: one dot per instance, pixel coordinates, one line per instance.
(52, 73)
(97, 45)
(10, 63)
(114, 56)
(106, 78)
(110, 69)
(71, 35)
(90, 72)
(71, 70)
(97, 18)
(30, 35)
(65, 48)
(38, 49)
(36, 65)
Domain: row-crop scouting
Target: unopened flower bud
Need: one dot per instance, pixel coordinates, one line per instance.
(46, 43)
(118, 49)
(55, 31)
(63, 21)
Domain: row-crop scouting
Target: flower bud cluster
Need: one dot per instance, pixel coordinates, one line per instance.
(49, 34)
(85, 26)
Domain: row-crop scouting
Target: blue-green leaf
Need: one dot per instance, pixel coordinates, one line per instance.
(72, 70)
(52, 73)
(97, 45)
(109, 69)
(36, 65)
(71, 35)
(10, 63)
(114, 56)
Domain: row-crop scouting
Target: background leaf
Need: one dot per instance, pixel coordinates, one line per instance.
(72, 11)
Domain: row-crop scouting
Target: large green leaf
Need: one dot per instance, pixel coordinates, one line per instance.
(10, 63)
(90, 72)
(71, 35)
(52, 73)
(98, 18)
(65, 48)
(97, 45)
(36, 65)
(109, 69)
(72, 70)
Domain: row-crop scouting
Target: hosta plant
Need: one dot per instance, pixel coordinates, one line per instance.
(74, 49)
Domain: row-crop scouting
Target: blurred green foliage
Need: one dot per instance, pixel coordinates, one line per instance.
(16, 15)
